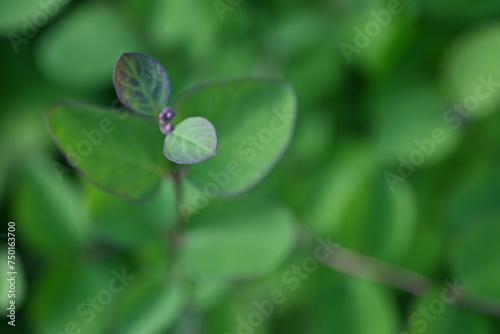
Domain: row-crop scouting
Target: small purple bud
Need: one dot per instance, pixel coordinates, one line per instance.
(169, 114)
(164, 118)
(168, 128)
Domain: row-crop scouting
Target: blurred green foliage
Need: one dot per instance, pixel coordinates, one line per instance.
(91, 261)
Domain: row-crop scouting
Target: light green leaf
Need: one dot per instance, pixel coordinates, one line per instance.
(254, 121)
(118, 152)
(193, 140)
(80, 50)
(21, 20)
(472, 74)
(235, 240)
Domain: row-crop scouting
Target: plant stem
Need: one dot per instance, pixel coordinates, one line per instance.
(174, 234)
(362, 266)
(365, 267)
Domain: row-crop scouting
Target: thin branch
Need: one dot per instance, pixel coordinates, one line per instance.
(365, 267)
(480, 304)
(174, 234)
(362, 266)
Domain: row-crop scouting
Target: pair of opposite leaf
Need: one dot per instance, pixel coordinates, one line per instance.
(143, 87)
(124, 153)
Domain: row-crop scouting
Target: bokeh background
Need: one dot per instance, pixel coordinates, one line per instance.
(395, 156)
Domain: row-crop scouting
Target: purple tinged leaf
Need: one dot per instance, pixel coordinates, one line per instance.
(141, 84)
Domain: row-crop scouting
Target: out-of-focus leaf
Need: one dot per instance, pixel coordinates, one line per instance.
(472, 74)
(21, 20)
(49, 215)
(337, 186)
(167, 27)
(254, 121)
(120, 153)
(410, 123)
(354, 202)
(345, 301)
(131, 225)
(69, 297)
(458, 12)
(321, 65)
(150, 305)
(193, 140)
(80, 51)
(432, 314)
(141, 83)
(475, 257)
(235, 316)
(366, 32)
(381, 222)
(208, 294)
(237, 239)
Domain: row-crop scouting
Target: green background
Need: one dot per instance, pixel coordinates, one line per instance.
(360, 119)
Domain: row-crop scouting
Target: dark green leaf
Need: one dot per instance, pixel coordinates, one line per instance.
(120, 153)
(432, 314)
(254, 121)
(118, 220)
(66, 295)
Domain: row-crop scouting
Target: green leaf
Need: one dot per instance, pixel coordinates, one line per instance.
(84, 299)
(118, 152)
(117, 220)
(54, 222)
(431, 314)
(471, 72)
(417, 134)
(254, 121)
(26, 17)
(234, 240)
(475, 257)
(193, 140)
(141, 83)
(150, 305)
(80, 50)
(345, 300)
(352, 200)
